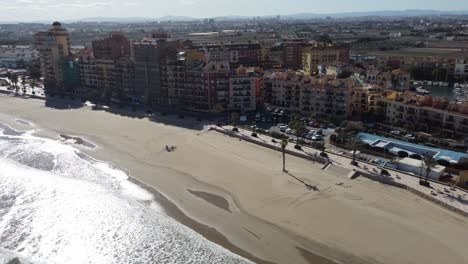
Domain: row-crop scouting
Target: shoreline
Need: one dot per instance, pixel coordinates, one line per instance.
(170, 208)
(270, 217)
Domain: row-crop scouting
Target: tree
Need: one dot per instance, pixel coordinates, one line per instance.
(429, 163)
(235, 117)
(354, 127)
(33, 85)
(23, 83)
(355, 144)
(34, 71)
(284, 143)
(298, 125)
(14, 80)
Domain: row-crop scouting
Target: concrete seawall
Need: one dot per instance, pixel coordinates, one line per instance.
(270, 146)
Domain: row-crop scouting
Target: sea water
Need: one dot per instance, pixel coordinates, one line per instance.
(58, 205)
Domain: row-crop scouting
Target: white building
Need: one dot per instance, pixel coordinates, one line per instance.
(461, 68)
(17, 56)
(418, 168)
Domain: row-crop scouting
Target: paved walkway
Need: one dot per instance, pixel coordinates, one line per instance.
(39, 91)
(438, 192)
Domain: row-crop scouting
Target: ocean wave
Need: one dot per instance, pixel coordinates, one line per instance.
(59, 205)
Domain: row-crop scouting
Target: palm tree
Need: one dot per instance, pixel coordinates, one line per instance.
(429, 163)
(14, 80)
(23, 83)
(33, 85)
(235, 119)
(284, 143)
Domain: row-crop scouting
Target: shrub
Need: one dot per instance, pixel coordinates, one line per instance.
(333, 138)
(463, 164)
(403, 154)
(298, 147)
(261, 131)
(235, 129)
(444, 163)
(278, 135)
(254, 134)
(416, 156)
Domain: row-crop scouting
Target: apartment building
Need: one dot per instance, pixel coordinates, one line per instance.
(322, 97)
(112, 47)
(206, 86)
(424, 113)
(88, 75)
(14, 57)
(113, 69)
(461, 69)
(400, 80)
(245, 88)
(54, 47)
(292, 54)
(366, 101)
(158, 69)
(237, 54)
(323, 54)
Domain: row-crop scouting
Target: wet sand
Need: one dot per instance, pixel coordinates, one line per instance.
(235, 194)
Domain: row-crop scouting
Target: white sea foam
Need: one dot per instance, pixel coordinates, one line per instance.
(60, 206)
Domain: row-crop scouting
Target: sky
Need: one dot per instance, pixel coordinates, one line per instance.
(34, 10)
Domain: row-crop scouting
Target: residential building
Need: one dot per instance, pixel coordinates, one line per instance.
(323, 97)
(206, 86)
(53, 46)
(427, 114)
(157, 70)
(88, 76)
(15, 57)
(366, 101)
(114, 69)
(461, 69)
(323, 54)
(401, 80)
(112, 47)
(237, 54)
(292, 54)
(244, 90)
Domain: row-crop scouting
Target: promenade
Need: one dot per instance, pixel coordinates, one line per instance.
(453, 198)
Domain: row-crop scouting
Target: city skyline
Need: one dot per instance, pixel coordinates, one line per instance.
(31, 10)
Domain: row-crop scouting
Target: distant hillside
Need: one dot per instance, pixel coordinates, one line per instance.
(385, 13)
(133, 19)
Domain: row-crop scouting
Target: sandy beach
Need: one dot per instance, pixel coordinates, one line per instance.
(234, 192)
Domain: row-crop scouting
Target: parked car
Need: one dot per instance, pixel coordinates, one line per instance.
(290, 131)
(316, 137)
(395, 132)
(283, 128)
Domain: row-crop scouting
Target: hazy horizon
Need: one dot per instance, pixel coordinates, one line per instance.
(47, 10)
